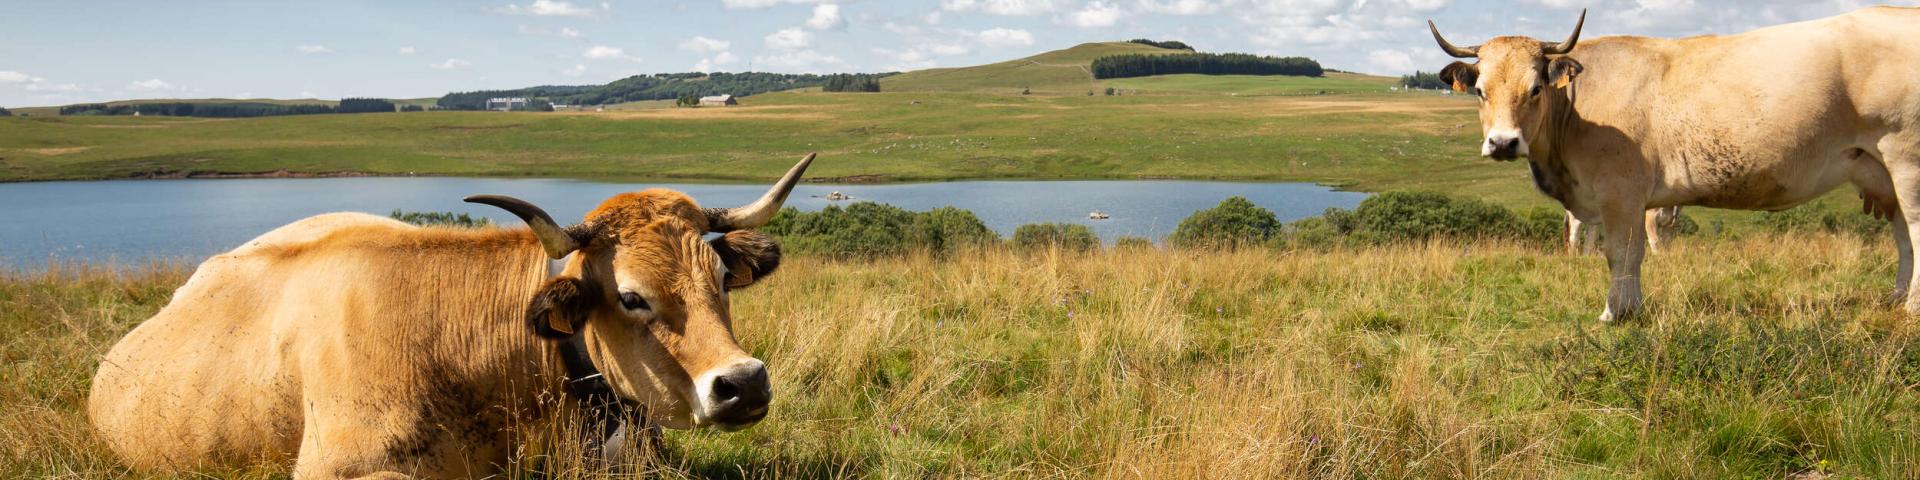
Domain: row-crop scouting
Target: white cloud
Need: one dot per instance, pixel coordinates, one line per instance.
(1097, 14)
(603, 52)
(826, 16)
(700, 44)
(802, 61)
(739, 4)
(312, 49)
(575, 71)
(1391, 61)
(148, 85)
(1004, 38)
(451, 64)
(549, 8)
(569, 32)
(932, 18)
(407, 50)
(9, 76)
(708, 65)
(307, 94)
(1183, 7)
(1002, 7)
(40, 85)
(789, 39)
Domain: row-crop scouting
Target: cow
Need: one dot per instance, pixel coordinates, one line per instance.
(356, 346)
(1582, 235)
(1763, 120)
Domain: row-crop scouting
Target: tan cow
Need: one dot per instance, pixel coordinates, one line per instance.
(1582, 235)
(1763, 120)
(359, 346)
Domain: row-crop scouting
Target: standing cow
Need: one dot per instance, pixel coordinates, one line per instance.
(360, 346)
(1763, 120)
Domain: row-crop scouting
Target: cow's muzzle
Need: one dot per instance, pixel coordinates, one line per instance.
(736, 396)
(1504, 146)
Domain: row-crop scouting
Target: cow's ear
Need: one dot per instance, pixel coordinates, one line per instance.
(748, 255)
(1563, 70)
(1461, 75)
(560, 308)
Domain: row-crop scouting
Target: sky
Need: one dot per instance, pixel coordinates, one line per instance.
(61, 52)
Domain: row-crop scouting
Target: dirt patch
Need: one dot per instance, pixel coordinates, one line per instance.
(54, 152)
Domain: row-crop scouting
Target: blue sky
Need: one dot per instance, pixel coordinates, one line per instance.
(59, 52)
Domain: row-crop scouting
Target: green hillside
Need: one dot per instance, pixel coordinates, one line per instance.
(1056, 72)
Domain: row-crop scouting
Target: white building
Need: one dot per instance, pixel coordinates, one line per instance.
(718, 101)
(507, 104)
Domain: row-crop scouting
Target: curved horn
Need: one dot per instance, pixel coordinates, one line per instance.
(1456, 52)
(556, 240)
(758, 213)
(1563, 48)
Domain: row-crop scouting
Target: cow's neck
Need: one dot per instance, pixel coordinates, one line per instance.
(1545, 160)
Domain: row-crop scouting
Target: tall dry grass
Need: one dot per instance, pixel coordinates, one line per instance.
(1761, 357)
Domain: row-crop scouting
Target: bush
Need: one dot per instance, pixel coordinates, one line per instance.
(1169, 44)
(1818, 218)
(5, 113)
(1417, 216)
(1064, 236)
(1235, 223)
(867, 230)
(1132, 243)
(449, 219)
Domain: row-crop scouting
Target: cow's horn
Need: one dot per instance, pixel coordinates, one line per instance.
(556, 240)
(1567, 46)
(1456, 52)
(761, 211)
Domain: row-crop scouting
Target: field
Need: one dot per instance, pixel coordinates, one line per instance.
(1769, 357)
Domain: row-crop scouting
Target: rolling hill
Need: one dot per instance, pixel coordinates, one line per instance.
(1067, 72)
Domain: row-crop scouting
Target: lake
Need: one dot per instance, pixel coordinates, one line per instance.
(174, 220)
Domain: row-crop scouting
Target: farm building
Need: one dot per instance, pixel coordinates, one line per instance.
(507, 104)
(718, 101)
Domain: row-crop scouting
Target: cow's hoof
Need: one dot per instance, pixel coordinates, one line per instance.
(1606, 316)
(1897, 298)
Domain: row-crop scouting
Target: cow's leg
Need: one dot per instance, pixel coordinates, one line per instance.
(1901, 156)
(1656, 236)
(1626, 242)
(1902, 242)
(1573, 234)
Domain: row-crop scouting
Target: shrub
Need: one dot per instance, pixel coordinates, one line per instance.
(1064, 236)
(1416, 216)
(449, 219)
(869, 230)
(1236, 222)
(1816, 217)
(5, 113)
(1132, 243)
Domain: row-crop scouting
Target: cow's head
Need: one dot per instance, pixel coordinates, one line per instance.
(648, 294)
(1522, 83)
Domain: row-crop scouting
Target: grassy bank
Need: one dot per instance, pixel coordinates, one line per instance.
(1762, 357)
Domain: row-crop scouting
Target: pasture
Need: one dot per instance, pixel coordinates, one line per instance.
(1762, 357)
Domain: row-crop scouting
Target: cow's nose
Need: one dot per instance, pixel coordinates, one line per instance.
(740, 396)
(1503, 147)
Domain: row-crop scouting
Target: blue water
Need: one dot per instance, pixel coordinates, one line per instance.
(188, 220)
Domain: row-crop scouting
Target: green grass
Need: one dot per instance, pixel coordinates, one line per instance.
(1762, 357)
(1059, 72)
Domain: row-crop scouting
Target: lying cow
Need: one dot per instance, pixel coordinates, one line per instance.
(360, 346)
(1581, 235)
(1763, 120)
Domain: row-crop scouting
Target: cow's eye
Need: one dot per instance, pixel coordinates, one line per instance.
(633, 301)
(1535, 92)
(1478, 93)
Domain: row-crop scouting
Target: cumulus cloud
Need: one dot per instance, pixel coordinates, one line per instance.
(407, 50)
(1003, 7)
(41, 85)
(826, 16)
(451, 64)
(603, 52)
(569, 32)
(1391, 61)
(1096, 14)
(1178, 7)
(710, 64)
(740, 4)
(576, 70)
(700, 44)
(802, 61)
(1004, 38)
(149, 85)
(789, 39)
(549, 8)
(312, 49)
(9, 76)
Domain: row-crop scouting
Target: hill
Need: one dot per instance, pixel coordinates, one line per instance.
(1057, 72)
(55, 110)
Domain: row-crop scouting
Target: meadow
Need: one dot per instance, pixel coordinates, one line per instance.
(1762, 357)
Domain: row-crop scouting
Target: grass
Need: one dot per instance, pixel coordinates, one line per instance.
(1762, 357)
(1059, 72)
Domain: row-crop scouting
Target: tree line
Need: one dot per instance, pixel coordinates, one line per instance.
(5, 113)
(1169, 44)
(661, 86)
(1424, 80)
(235, 109)
(1141, 65)
(851, 83)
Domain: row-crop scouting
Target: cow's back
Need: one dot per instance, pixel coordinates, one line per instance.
(211, 378)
